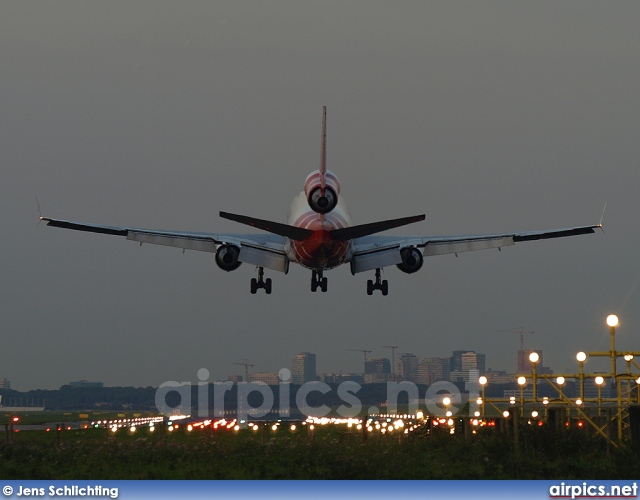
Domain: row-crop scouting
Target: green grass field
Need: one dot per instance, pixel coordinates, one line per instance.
(332, 453)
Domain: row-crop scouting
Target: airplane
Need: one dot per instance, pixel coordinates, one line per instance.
(319, 236)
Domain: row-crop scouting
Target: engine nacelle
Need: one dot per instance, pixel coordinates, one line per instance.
(227, 257)
(322, 200)
(411, 260)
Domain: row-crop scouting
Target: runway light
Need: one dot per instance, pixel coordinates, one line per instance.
(534, 414)
(505, 414)
(612, 320)
(482, 380)
(628, 357)
(522, 380)
(581, 356)
(599, 380)
(534, 357)
(560, 380)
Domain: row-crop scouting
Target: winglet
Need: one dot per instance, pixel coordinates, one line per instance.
(602, 216)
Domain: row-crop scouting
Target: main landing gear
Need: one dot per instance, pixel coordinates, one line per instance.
(318, 281)
(383, 285)
(261, 282)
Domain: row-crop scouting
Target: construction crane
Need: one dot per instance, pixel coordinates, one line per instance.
(393, 360)
(521, 331)
(363, 351)
(246, 369)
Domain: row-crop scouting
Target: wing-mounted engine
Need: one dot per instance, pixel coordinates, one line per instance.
(411, 260)
(322, 191)
(227, 257)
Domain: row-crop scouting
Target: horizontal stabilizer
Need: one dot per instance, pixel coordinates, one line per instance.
(291, 232)
(352, 232)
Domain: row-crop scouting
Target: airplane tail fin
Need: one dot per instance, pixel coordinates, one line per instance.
(323, 148)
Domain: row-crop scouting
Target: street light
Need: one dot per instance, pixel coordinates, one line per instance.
(483, 382)
(534, 357)
(522, 381)
(581, 357)
(599, 381)
(613, 321)
(560, 381)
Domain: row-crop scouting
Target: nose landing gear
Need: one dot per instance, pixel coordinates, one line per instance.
(318, 281)
(256, 284)
(382, 285)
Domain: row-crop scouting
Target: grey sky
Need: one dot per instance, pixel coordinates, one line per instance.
(486, 116)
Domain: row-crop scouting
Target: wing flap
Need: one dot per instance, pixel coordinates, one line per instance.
(376, 258)
(459, 246)
(187, 242)
(264, 257)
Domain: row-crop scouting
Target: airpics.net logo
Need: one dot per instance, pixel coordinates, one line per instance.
(586, 490)
(277, 398)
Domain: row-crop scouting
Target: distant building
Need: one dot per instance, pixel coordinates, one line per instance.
(338, 378)
(303, 368)
(408, 367)
(377, 370)
(235, 378)
(4, 384)
(455, 364)
(468, 366)
(473, 361)
(269, 378)
(86, 384)
(499, 377)
(431, 370)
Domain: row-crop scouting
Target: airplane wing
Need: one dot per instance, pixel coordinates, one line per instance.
(377, 251)
(266, 249)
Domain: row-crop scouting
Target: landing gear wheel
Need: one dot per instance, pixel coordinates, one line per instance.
(381, 285)
(256, 284)
(369, 287)
(318, 281)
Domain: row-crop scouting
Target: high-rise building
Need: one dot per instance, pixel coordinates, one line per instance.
(5, 384)
(269, 378)
(473, 361)
(432, 370)
(303, 368)
(408, 367)
(456, 361)
(377, 370)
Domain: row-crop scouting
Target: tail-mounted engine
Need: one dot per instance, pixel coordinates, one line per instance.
(322, 199)
(227, 257)
(411, 260)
